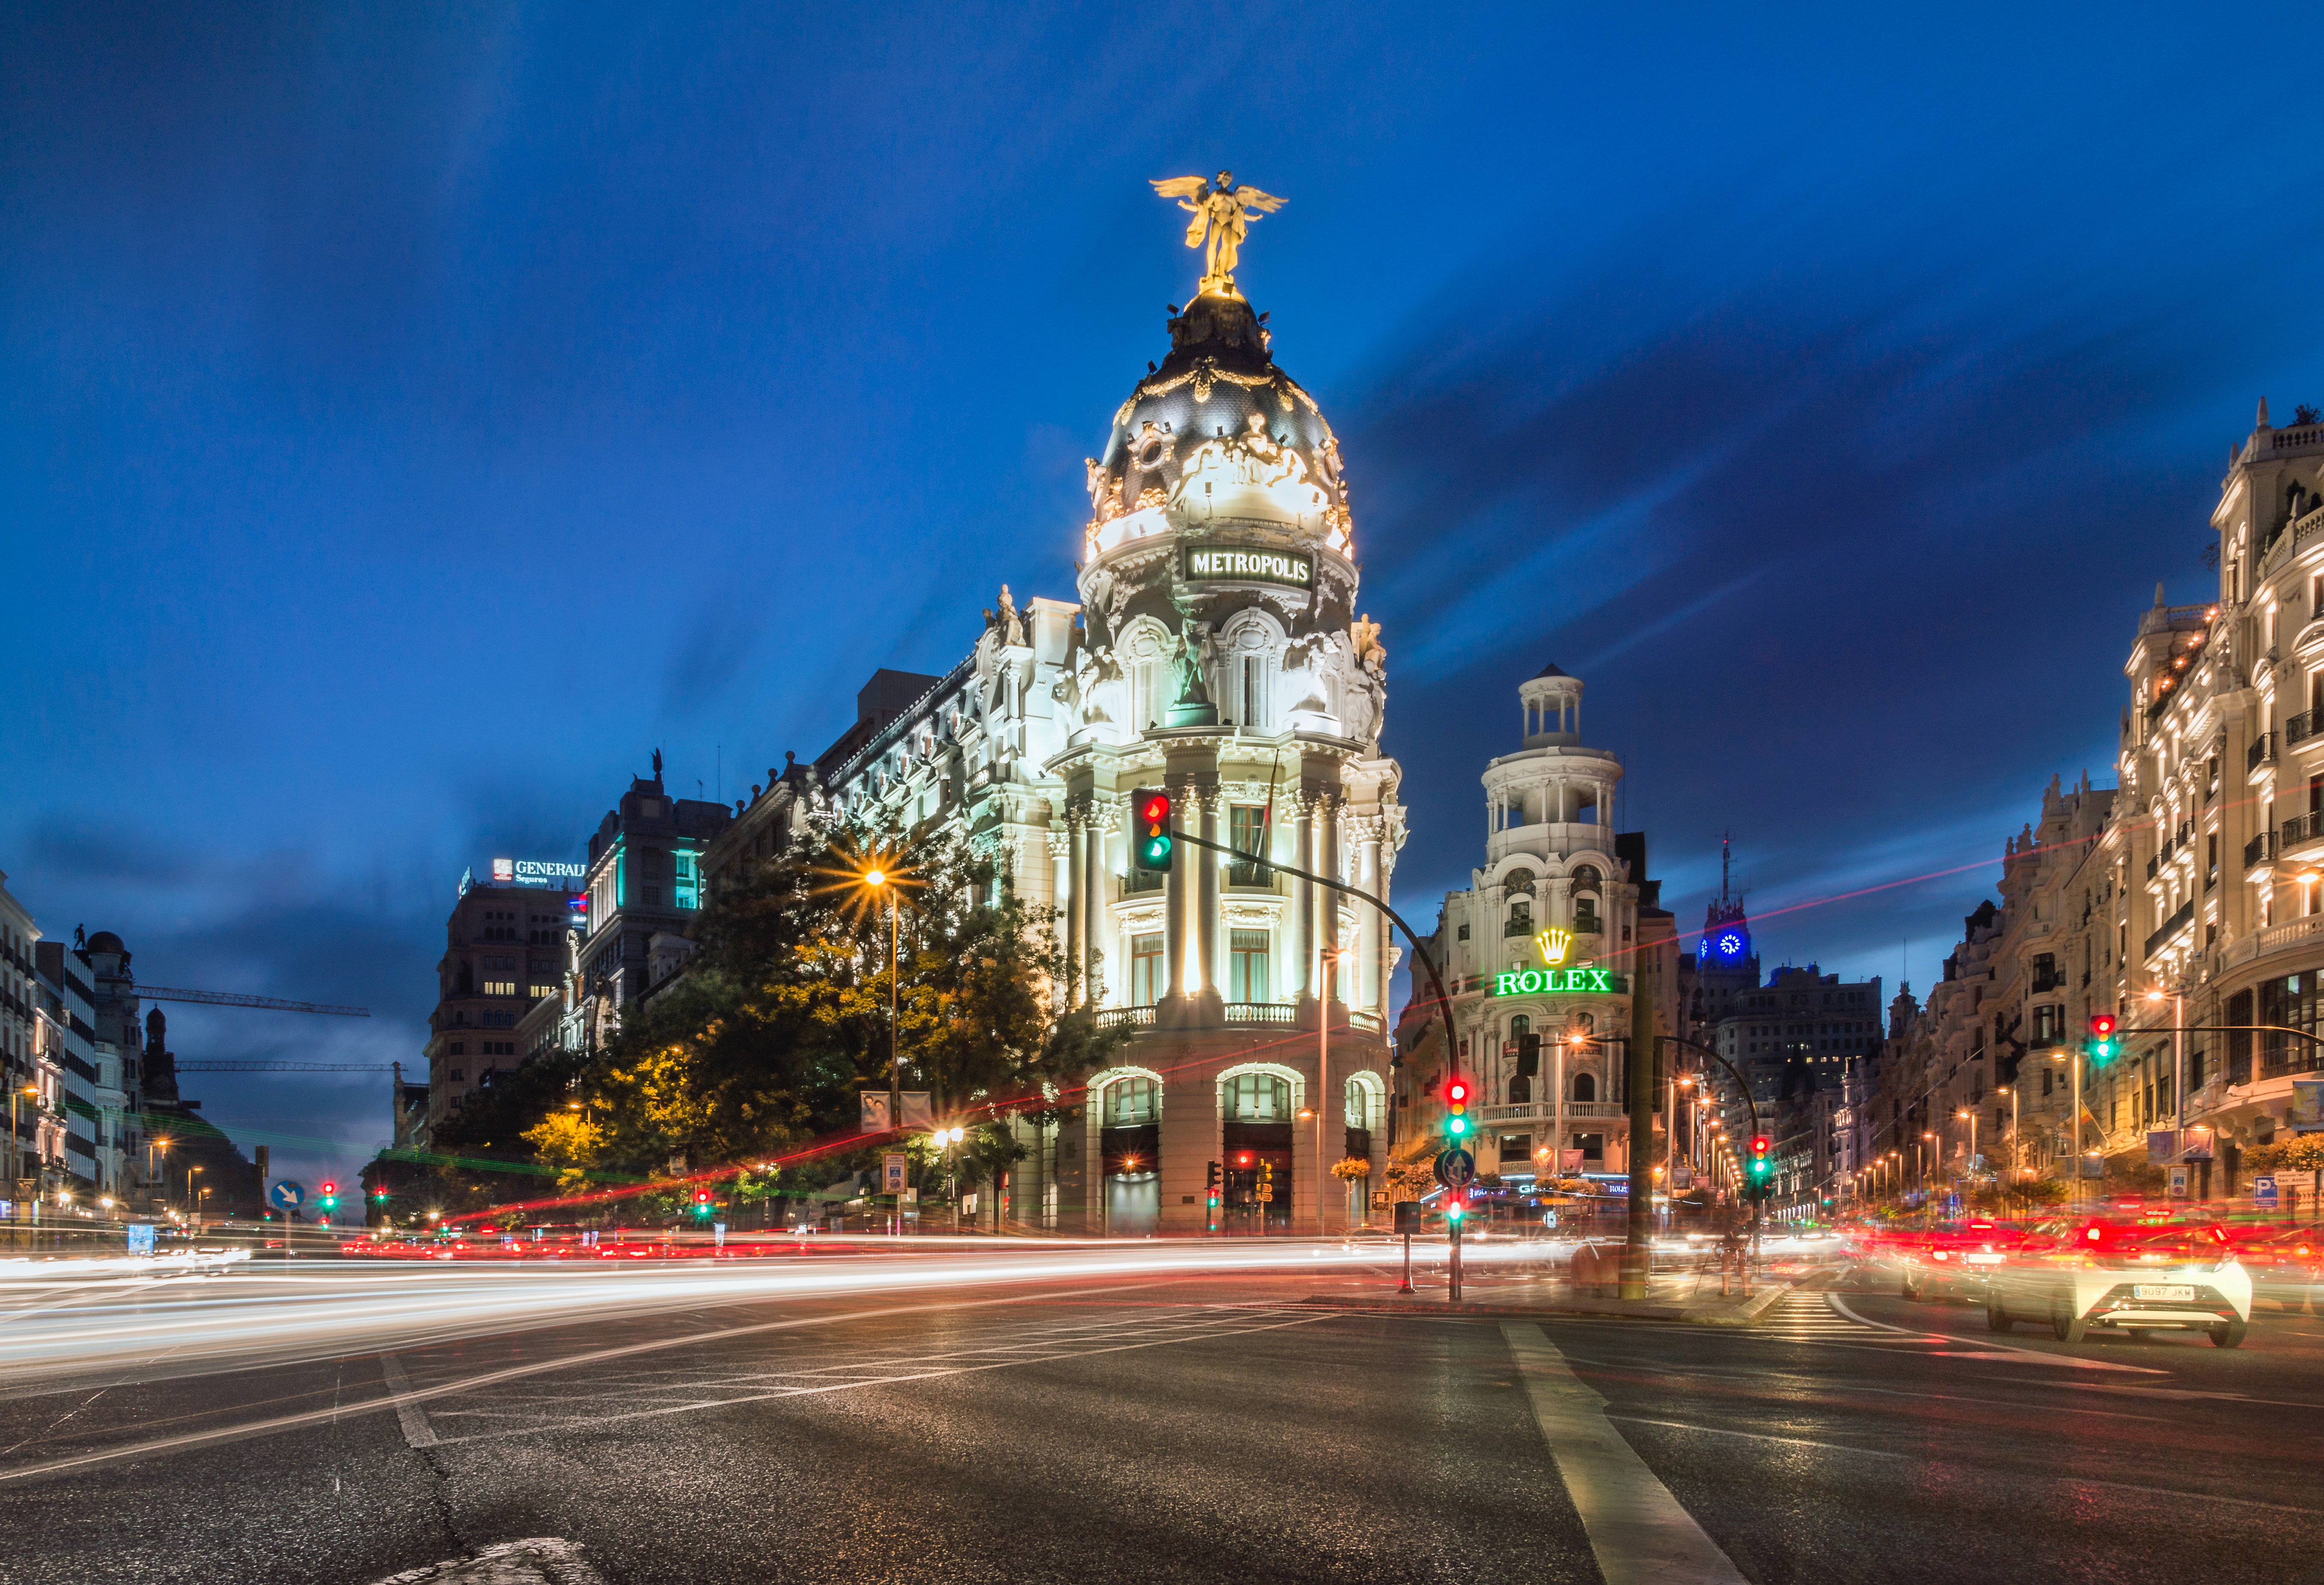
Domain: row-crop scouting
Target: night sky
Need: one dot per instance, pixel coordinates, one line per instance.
(411, 422)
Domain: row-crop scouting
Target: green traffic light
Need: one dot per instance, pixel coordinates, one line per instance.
(1456, 1126)
(1158, 851)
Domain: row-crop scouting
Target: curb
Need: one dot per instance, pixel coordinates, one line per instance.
(1743, 1314)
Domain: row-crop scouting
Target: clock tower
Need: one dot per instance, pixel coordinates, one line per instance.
(1724, 964)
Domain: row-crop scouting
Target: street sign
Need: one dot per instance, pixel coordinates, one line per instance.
(893, 1168)
(141, 1238)
(287, 1195)
(2179, 1183)
(2264, 1190)
(1456, 1169)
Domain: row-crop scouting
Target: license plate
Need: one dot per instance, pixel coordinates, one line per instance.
(1984, 1260)
(2167, 1292)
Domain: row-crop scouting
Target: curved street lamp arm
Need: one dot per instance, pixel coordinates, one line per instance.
(1723, 1062)
(1436, 980)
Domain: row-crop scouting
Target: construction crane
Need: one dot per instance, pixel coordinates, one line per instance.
(284, 1067)
(237, 999)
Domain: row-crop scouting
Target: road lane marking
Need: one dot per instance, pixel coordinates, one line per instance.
(1755, 1436)
(590, 1422)
(1640, 1532)
(416, 1431)
(2070, 1361)
(281, 1423)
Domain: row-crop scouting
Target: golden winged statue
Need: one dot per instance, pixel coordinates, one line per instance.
(1222, 213)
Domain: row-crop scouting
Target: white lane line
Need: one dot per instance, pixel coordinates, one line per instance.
(1755, 1436)
(281, 1423)
(588, 1421)
(1637, 1529)
(2069, 1361)
(416, 1431)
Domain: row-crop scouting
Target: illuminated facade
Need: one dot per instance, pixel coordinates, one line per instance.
(504, 956)
(1559, 931)
(1216, 650)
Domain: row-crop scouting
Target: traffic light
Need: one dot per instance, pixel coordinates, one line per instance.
(1455, 1208)
(2102, 1042)
(329, 1200)
(1456, 1109)
(702, 1202)
(1760, 1176)
(1150, 845)
(1243, 1158)
(1211, 1187)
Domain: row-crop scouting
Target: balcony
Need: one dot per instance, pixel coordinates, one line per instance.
(2258, 850)
(1545, 1112)
(2178, 921)
(1125, 1017)
(2300, 728)
(2260, 752)
(1261, 1012)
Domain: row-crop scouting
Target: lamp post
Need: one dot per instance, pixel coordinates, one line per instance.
(882, 884)
(2178, 1062)
(1921, 1170)
(1968, 1166)
(194, 1203)
(16, 1142)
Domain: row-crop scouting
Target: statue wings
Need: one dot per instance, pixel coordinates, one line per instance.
(1183, 187)
(1264, 203)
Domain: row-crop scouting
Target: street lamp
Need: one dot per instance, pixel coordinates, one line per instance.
(197, 1207)
(1968, 1167)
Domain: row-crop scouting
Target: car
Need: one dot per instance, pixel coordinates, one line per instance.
(1954, 1259)
(2104, 1275)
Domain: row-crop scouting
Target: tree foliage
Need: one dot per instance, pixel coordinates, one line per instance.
(782, 1019)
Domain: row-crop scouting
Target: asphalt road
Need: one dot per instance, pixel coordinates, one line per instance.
(1099, 1425)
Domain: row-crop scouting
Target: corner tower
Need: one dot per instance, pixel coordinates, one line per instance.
(1222, 655)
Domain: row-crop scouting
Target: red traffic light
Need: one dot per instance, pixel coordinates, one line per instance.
(2102, 1025)
(1243, 1158)
(702, 1197)
(1155, 809)
(330, 1188)
(1759, 1144)
(1456, 1091)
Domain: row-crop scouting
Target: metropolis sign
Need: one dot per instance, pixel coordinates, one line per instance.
(1584, 981)
(1249, 565)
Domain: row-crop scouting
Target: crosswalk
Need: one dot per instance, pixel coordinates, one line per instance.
(1803, 1316)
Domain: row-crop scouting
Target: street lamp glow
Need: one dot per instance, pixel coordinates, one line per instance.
(874, 877)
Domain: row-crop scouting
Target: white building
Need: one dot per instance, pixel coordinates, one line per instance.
(1553, 938)
(1216, 651)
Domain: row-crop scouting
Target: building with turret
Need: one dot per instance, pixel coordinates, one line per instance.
(1215, 651)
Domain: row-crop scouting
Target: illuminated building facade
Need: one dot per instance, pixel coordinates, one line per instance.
(1557, 934)
(643, 889)
(1216, 651)
(505, 956)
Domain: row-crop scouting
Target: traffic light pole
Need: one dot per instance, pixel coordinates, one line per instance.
(1419, 952)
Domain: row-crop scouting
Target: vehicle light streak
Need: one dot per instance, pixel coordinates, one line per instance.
(263, 1317)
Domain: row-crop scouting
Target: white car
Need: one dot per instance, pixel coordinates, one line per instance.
(2089, 1275)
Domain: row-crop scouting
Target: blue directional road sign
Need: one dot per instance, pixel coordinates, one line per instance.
(287, 1195)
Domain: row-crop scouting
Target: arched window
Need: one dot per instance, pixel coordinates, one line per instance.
(1519, 1028)
(1361, 1104)
(1586, 887)
(1131, 1101)
(1519, 883)
(1520, 919)
(1585, 1087)
(1258, 1097)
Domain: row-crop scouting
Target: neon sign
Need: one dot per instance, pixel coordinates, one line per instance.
(1584, 981)
(1204, 563)
(1552, 945)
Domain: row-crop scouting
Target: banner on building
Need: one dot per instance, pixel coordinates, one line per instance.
(919, 1109)
(2161, 1147)
(875, 1111)
(2307, 1104)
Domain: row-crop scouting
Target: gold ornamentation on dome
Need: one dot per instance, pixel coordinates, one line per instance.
(1205, 373)
(1222, 213)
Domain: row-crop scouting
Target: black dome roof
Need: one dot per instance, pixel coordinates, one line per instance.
(1219, 377)
(105, 941)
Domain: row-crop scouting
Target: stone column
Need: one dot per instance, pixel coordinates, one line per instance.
(1302, 944)
(1206, 896)
(1070, 888)
(1371, 927)
(1064, 852)
(1174, 922)
(1090, 886)
(1326, 826)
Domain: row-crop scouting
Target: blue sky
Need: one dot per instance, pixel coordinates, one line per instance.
(409, 418)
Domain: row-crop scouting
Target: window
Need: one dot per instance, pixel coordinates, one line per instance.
(1146, 969)
(499, 988)
(1247, 974)
(1585, 916)
(1129, 1102)
(540, 990)
(1246, 833)
(1520, 920)
(2048, 1022)
(1254, 692)
(652, 895)
(689, 887)
(1258, 1097)
(1585, 1087)
(1358, 1100)
(458, 1048)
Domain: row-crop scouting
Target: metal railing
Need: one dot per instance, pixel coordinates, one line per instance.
(2260, 752)
(2178, 921)
(2258, 850)
(1261, 1012)
(2300, 728)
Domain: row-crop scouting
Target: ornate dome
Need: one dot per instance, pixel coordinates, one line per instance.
(1217, 433)
(105, 941)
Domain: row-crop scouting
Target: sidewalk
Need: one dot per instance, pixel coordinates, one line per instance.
(1690, 1297)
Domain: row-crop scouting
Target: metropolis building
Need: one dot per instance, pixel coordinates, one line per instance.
(1216, 650)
